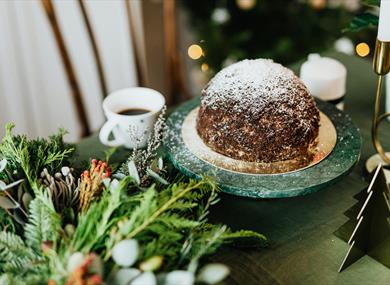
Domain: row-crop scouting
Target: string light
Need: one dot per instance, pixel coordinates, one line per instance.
(204, 67)
(362, 49)
(195, 51)
(317, 4)
(246, 4)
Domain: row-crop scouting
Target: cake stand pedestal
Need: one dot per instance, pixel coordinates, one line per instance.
(335, 166)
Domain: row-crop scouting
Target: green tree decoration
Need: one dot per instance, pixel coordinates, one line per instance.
(285, 31)
(369, 223)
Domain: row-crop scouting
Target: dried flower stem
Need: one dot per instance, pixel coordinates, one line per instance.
(91, 182)
(143, 158)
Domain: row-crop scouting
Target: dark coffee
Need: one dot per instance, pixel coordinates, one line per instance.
(133, 111)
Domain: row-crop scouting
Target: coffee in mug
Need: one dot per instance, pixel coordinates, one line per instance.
(132, 110)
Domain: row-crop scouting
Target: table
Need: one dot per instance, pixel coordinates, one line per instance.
(303, 248)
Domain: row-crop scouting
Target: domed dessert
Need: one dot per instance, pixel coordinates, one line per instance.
(258, 111)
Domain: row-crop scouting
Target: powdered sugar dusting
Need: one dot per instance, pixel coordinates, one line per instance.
(251, 85)
(258, 110)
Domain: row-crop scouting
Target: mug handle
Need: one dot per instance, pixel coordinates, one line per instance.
(105, 132)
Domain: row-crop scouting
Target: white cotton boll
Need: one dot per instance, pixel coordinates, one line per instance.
(180, 277)
(125, 253)
(146, 278)
(74, 261)
(125, 275)
(213, 273)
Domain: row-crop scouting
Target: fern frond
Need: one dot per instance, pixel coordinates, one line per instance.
(44, 222)
(15, 256)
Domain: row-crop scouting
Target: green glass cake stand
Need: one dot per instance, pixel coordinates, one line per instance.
(308, 180)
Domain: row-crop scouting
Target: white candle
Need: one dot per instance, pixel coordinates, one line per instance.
(324, 77)
(384, 21)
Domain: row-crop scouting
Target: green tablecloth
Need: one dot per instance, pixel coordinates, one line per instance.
(303, 247)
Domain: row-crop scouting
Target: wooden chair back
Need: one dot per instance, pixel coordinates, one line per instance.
(177, 90)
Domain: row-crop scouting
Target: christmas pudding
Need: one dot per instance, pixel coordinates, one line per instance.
(258, 111)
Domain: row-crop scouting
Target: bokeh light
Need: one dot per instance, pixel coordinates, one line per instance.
(204, 67)
(195, 51)
(246, 4)
(362, 49)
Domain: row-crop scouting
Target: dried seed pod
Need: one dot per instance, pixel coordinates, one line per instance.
(62, 189)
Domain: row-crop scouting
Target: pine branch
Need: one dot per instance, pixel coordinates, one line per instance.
(154, 207)
(177, 222)
(31, 156)
(152, 218)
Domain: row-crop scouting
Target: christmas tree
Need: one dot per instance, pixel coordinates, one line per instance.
(368, 229)
(284, 31)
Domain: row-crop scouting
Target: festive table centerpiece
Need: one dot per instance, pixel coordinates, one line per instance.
(261, 134)
(104, 223)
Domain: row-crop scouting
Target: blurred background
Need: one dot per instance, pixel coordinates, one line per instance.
(60, 58)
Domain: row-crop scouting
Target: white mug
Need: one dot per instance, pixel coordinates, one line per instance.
(130, 130)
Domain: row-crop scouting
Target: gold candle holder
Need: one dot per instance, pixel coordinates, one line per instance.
(381, 65)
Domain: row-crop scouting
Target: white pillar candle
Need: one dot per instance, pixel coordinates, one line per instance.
(384, 21)
(325, 78)
(384, 36)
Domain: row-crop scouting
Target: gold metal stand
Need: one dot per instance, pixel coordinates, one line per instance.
(381, 66)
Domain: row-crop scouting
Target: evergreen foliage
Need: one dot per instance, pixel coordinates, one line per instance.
(44, 222)
(167, 220)
(15, 256)
(29, 157)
